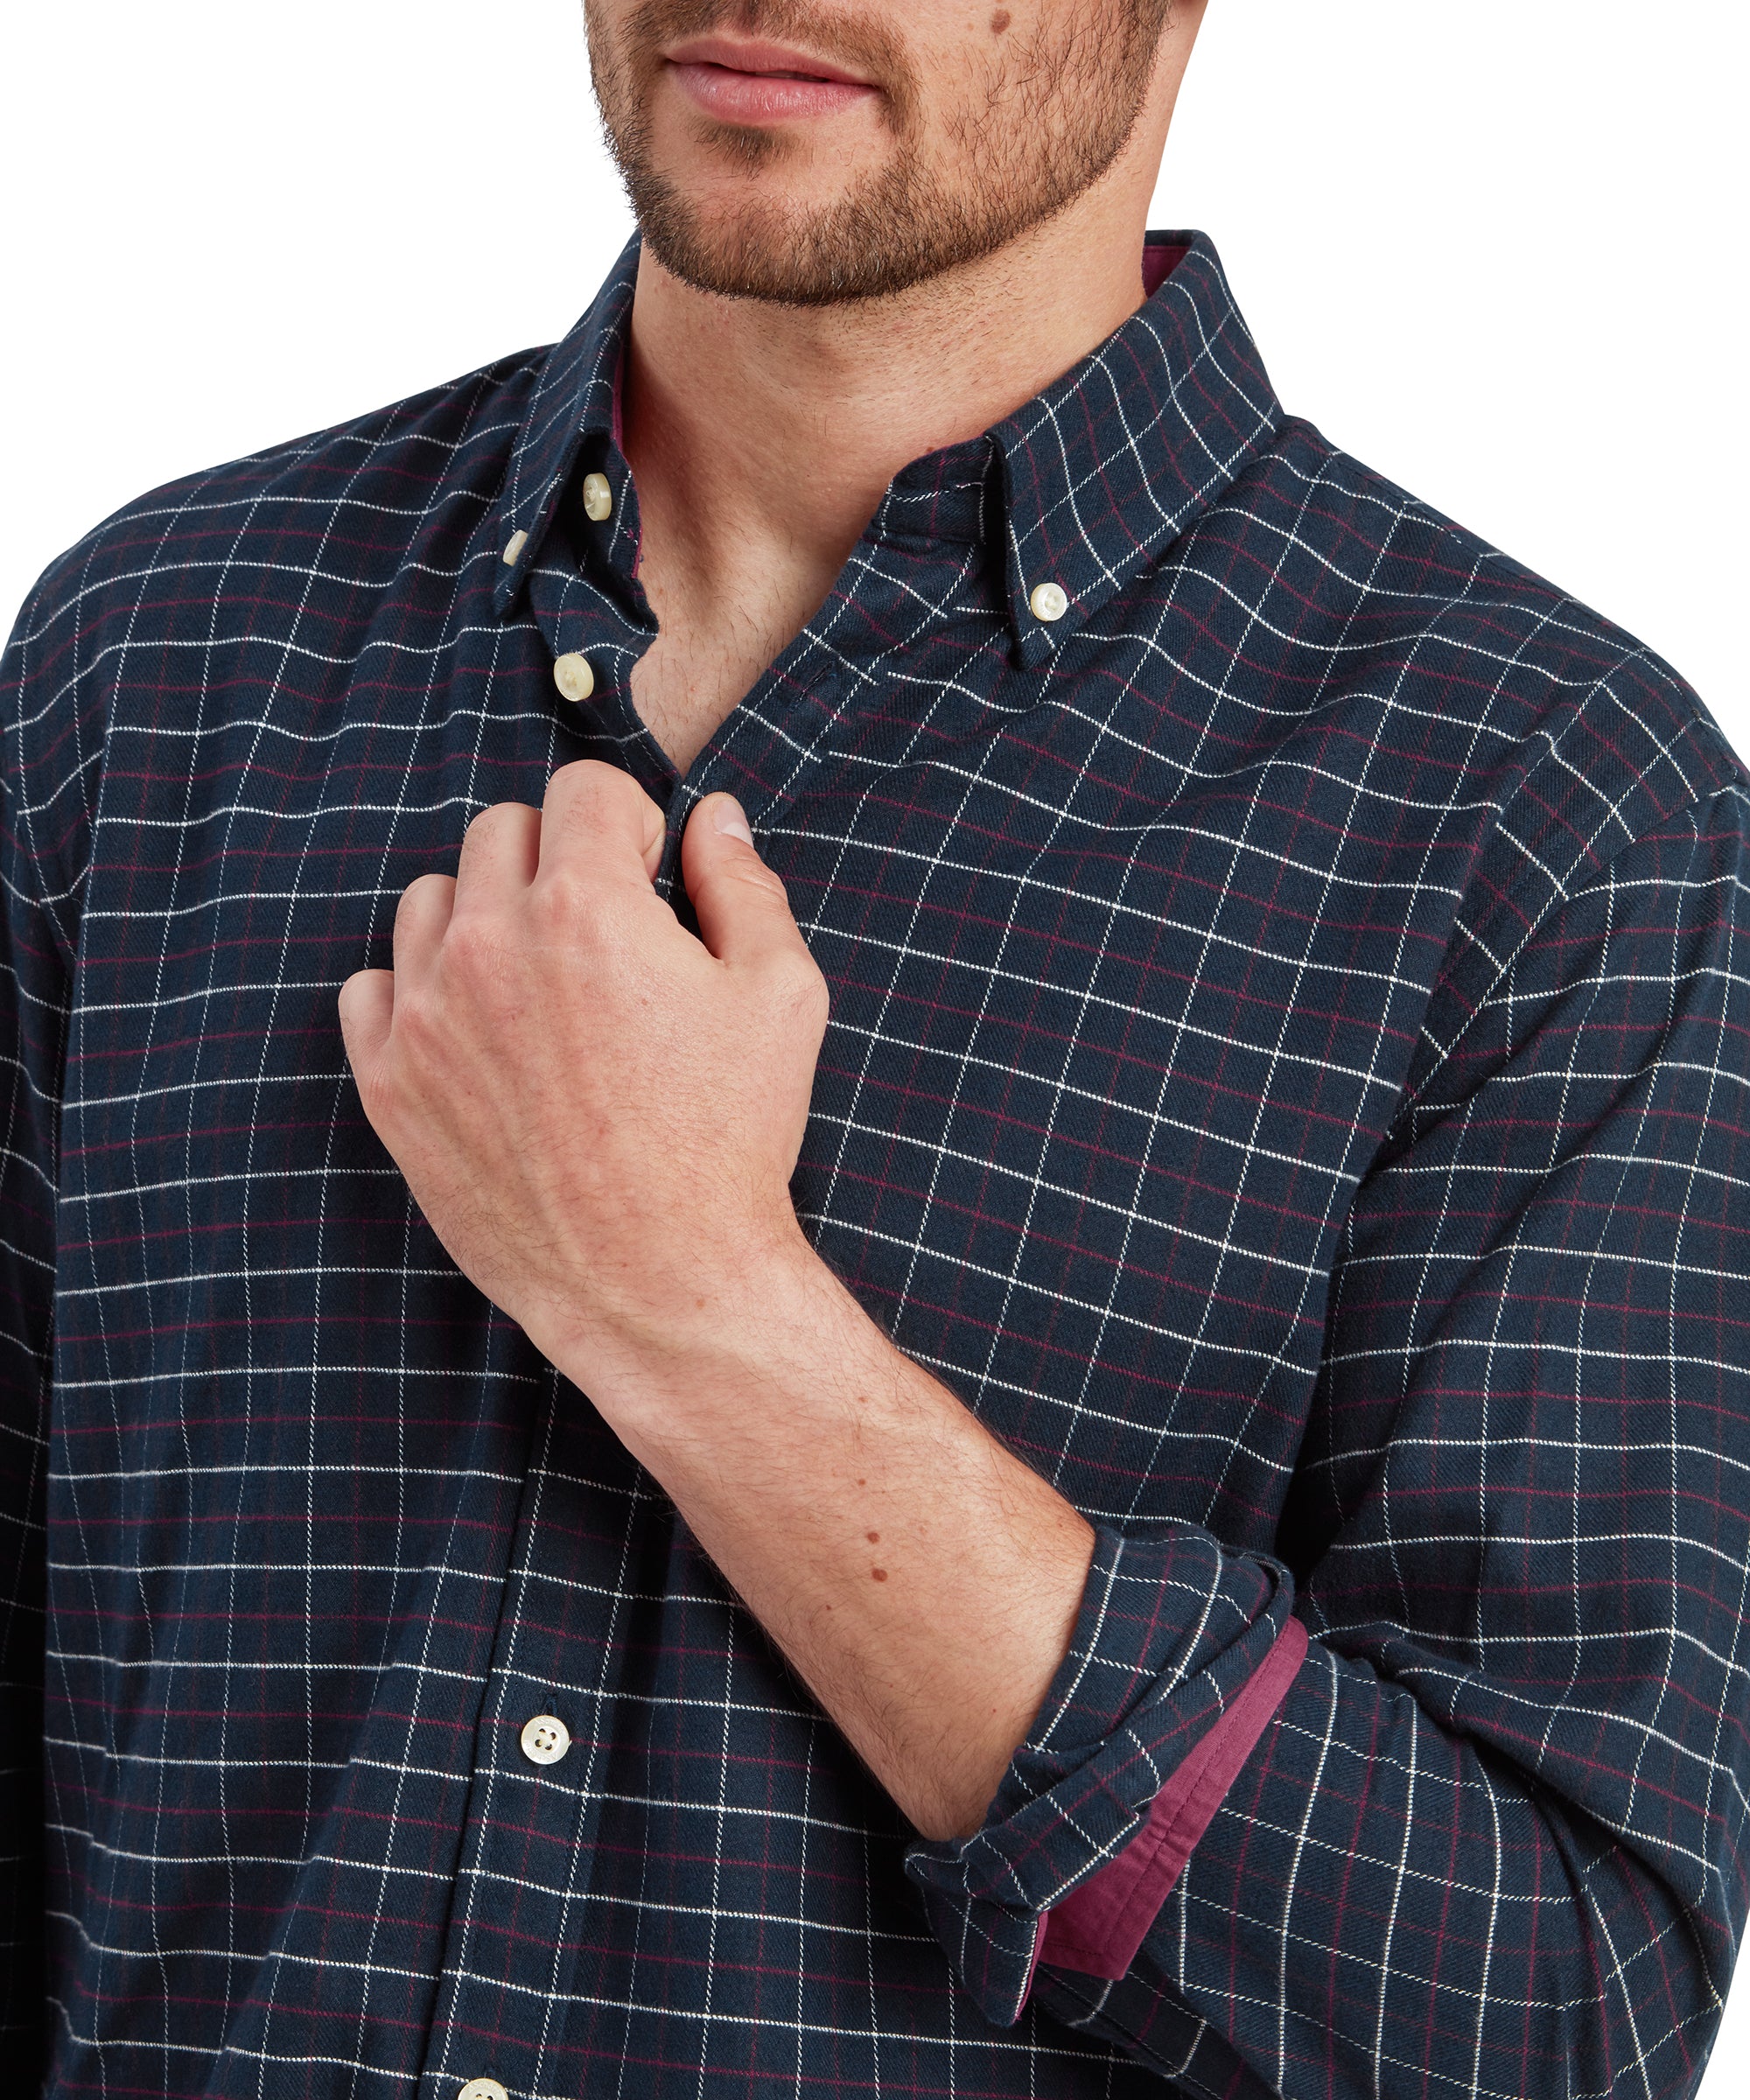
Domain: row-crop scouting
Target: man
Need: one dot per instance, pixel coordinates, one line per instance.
(1002, 1353)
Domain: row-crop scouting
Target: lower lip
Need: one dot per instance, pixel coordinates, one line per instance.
(766, 98)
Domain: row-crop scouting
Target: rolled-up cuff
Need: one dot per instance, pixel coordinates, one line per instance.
(1182, 1652)
(1100, 1923)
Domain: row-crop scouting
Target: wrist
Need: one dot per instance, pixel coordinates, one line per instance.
(719, 1337)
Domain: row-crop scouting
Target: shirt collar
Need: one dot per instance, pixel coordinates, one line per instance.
(576, 398)
(1099, 472)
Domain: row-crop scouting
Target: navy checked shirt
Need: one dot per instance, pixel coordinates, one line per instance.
(1286, 1073)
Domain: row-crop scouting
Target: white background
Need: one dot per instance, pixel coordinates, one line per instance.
(1498, 252)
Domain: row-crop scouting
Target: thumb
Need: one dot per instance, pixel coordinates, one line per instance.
(743, 912)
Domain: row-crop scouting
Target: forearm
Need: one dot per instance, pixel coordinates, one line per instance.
(599, 1115)
(920, 1577)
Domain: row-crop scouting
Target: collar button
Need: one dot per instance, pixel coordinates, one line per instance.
(1049, 601)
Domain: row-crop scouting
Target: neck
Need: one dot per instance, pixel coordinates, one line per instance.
(790, 422)
(762, 437)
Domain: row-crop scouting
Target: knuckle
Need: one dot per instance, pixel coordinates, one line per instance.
(412, 1028)
(380, 1086)
(594, 780)
(800, 989)
(497, 832)
(589, 795)
(377, 1076)
(420, 895)
(747, 877)
(579, 773)
(752, 869)
(483, 825)
(563, 905)
(473, 945)
(500, 817)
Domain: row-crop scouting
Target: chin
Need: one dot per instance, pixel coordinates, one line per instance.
(783, 241)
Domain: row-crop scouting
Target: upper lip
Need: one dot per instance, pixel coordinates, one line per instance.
(750, 56)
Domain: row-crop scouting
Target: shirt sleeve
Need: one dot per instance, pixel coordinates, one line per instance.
(35, 956)
(1489, 1837)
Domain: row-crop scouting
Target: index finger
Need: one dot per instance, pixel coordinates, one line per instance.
(599, 813)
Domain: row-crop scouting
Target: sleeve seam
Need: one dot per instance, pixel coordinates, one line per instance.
(1564, 891)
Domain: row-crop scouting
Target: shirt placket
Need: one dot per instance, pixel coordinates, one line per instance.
(547, 1726)
(549, 1711)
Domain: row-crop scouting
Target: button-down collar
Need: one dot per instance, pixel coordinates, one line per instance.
(1091, 485)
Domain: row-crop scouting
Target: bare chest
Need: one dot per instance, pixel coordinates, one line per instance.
(711, 646)
(684, 687)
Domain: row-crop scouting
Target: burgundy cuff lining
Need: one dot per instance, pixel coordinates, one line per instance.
(1097, 1929)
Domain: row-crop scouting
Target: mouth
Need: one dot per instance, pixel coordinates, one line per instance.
(742, 81)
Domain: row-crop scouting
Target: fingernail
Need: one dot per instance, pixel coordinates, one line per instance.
(727, 818)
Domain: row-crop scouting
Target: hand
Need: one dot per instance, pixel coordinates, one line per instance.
(598, 1113)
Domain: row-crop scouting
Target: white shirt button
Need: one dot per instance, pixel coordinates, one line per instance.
(1049, 601)
(482, 2089)
(573, 676)
(513, 547)
(545, 1739)
(597, 497)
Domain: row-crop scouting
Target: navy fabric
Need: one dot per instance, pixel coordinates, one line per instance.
(1286, 1073)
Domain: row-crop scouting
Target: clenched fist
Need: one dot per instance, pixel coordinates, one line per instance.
(598, 1113)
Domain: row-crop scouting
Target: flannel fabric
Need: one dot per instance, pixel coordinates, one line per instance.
(1286, 1072)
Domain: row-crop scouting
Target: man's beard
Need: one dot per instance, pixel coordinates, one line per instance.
(1060, 112)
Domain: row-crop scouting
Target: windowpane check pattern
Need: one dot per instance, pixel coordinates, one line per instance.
(1286, 1073)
